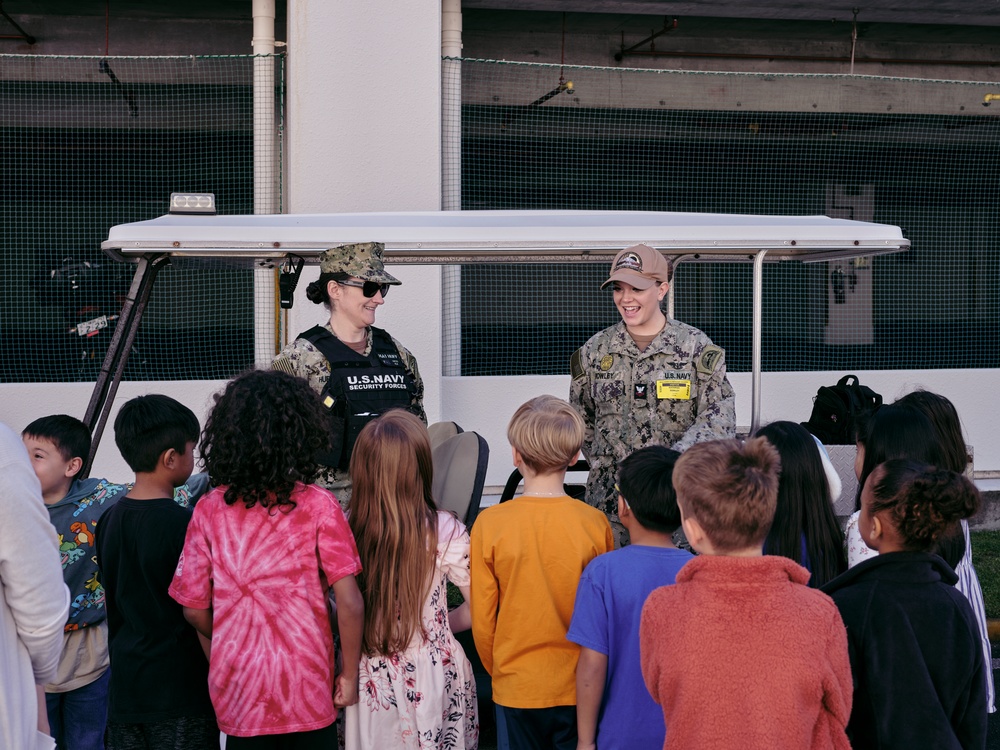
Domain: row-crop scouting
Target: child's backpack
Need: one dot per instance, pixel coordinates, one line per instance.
(838, 410)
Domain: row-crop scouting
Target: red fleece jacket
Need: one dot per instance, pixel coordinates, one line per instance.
(740, 653)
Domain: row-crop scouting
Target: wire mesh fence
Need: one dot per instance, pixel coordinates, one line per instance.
(922, 154)
(86, 143)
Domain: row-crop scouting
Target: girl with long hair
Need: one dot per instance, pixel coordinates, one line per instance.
(262, 552)
(805, 528)
(894, 431)
(919, 671)
(417, 687)
(922, 427)
(955, 545)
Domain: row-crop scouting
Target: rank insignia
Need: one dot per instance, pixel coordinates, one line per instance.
(640, 391)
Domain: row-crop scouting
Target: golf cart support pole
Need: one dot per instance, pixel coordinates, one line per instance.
(106, 387)
(756, 345)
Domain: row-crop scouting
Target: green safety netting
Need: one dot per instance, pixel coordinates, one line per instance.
(922, 154)
(86, 143)
(91, 142)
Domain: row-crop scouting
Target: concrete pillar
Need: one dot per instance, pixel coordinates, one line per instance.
(364, 134)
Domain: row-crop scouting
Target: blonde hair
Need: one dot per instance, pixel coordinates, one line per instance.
(394, 521)
(547, 432)
(731, 488)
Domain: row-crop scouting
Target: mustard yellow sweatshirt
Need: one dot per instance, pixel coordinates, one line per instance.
(527, 557)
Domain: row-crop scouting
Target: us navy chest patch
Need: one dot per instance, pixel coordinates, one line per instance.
(375, 382)
(640, 390)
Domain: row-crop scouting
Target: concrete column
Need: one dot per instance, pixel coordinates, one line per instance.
(364, 134)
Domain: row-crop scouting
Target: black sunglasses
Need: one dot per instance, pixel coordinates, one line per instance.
(368, 288)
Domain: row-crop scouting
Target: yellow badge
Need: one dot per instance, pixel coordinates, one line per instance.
(606, 361)
(679, 390)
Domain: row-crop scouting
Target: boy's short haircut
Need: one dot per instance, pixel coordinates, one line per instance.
(147, 426)
(731, 488)
(645, 480)
(68, 434)
(547, 432)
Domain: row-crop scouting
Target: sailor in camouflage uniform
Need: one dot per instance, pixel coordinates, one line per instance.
(359, 370)
(646, 380)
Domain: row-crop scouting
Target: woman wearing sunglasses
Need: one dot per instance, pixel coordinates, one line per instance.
(359, 370)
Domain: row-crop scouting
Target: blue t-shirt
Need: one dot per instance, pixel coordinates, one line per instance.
(609, 600)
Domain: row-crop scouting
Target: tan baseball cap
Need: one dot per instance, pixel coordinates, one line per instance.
(639, 266)
(363, 260)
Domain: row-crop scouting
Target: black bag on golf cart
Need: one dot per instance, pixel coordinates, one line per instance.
(838, 410)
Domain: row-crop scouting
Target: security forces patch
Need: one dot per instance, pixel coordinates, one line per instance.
(607, 361)
(709, 359)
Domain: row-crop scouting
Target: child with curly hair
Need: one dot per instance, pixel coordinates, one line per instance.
(919, 671)
(262, 551)
(417, 684)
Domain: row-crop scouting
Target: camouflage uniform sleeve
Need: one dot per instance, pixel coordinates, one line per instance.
(286, 360)
(580, 396)
(301, 359)
(410, 363)
(716, 400)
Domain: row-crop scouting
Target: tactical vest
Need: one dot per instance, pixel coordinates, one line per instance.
(360, 388)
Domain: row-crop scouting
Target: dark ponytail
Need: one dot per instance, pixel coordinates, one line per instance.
(923, 501)
(316, 291)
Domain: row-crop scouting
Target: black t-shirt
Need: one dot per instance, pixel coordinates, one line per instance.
(158, 669)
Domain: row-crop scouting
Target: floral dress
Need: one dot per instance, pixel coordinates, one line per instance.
(854, 545)
(425, 696)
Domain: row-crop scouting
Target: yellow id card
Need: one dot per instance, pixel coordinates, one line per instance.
(673, 389)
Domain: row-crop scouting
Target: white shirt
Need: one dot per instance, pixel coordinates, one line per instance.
(34, 601)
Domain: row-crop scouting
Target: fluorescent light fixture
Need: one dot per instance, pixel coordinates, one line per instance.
(192, 203)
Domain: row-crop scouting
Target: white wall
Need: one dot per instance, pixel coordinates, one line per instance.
(24, 402)
(363, 125)
(485, 404)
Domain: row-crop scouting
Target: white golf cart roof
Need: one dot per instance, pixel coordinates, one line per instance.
(519, 236)
(451, 237)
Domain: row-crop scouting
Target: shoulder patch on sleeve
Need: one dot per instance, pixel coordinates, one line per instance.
(576, 365)
(710, 358)
(283, 364)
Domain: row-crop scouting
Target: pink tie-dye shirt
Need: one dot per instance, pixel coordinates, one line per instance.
(265, 574)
